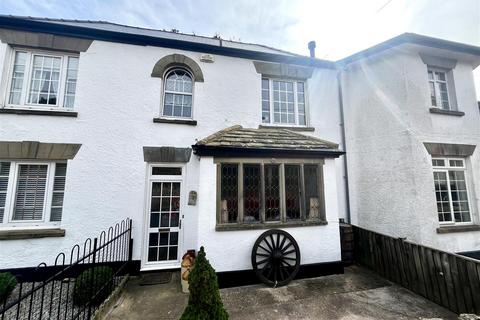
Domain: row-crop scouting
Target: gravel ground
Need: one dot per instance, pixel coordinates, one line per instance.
(57, 303)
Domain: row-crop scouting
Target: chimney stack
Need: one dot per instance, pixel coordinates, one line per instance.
(311, 47)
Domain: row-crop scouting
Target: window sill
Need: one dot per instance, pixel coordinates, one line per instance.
(31, 233)
(257, 226)
(293, 128)
(175, 121)
(453, 229)
(447, 112)
(39, 112)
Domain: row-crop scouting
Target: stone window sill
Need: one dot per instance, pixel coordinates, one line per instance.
(266, 126)
(175, 121)
(257, 226)
(447, 112)
(39, 112)
(453, 229)
(13, 234)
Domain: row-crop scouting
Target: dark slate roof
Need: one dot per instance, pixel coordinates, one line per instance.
(238, 141)
(107, 31)
(412, 38)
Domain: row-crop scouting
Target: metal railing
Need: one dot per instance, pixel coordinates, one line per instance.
(49, 291)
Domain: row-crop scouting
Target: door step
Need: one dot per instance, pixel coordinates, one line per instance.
(151, 278)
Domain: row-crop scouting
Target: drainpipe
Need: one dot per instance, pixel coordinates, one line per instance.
(342, 124)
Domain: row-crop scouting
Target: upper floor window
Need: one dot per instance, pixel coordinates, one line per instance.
(40, 79)
(283, 102)
(439, 94)
(451, 190)
(178, 94)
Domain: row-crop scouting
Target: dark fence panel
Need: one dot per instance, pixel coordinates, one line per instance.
(47, 292)
(448, 279)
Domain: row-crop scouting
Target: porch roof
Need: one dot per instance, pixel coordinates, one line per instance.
(278, 142)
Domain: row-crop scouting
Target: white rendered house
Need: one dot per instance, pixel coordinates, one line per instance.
(98, 122)
(210, 142)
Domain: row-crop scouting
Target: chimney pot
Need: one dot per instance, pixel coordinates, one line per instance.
(311, 47)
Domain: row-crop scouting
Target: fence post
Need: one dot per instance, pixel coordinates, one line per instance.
(130, 242)
(92, 277)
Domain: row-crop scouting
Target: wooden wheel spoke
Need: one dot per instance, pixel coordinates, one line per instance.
(288, 264)
(283, 243)
(288, 246)
(288, 258)
(268, 245)
(282, 271)
(263, 261)
(288, 252)
(278, 241)
(263, 254)
(274, 246)
(264, 248)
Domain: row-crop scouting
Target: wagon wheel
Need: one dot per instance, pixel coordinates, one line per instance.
(275, 258)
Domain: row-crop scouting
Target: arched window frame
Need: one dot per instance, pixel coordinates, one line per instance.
(165, 91)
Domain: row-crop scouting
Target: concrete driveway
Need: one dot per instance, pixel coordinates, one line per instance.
(357, 294)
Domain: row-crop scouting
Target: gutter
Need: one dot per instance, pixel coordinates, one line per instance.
(222, 151)
(342, 124)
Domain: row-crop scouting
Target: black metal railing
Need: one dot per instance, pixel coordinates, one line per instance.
(52, 292)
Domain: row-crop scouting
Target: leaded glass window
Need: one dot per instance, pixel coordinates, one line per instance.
(229, 193)
(255, 191)
(292, 191)
(251, 192)
(272, 192)
(178, 94)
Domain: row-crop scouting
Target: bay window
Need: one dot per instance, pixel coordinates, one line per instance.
(41, 79)
(257, 191)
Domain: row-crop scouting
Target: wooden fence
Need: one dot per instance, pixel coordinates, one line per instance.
(448, 279)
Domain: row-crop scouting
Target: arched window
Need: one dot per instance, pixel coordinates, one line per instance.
(178, 93)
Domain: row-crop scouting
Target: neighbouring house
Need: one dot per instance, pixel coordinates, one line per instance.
(203, 141)
(412, 135)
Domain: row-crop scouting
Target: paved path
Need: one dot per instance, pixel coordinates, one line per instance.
(357, 294)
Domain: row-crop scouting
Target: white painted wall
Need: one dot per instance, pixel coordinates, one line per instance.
(231, 250)
(388, 119)
(116, 101)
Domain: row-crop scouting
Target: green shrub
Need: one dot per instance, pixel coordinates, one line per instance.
(204, 302)
(89, 286)
(8, 282)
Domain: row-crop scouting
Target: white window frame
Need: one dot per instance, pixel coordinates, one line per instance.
(164, 91)
(295, 102)
(436, 86)
(24, 104)
(8, 221)
(446, 169)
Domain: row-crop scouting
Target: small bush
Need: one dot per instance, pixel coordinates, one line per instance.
(204, 302)
(8, 282)
(90, 286)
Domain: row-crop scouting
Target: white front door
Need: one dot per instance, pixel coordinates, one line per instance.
(163, 223)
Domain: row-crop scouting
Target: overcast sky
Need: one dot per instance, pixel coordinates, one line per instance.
(339, 27)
